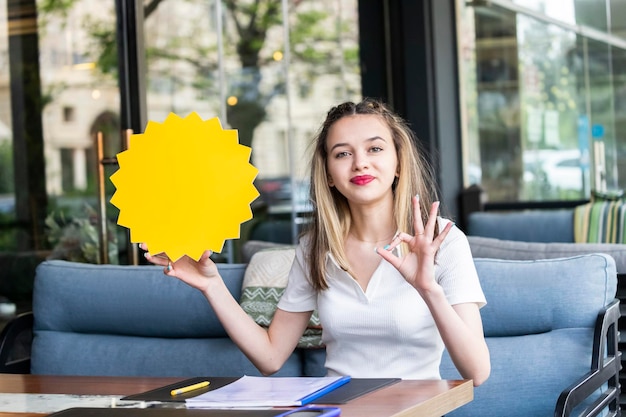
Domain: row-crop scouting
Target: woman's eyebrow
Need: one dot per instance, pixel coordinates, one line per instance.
(372, 139)
(376, 138)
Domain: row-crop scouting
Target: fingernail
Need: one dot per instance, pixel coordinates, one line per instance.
(376, 249)
(387, 247)
(169, 266)
(417, 196)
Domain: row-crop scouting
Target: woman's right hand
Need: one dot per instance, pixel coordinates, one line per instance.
(197, 274)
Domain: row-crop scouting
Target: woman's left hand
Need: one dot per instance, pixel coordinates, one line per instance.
(418, 265)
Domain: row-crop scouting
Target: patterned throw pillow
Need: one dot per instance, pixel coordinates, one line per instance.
(264, 283)
(600, 221)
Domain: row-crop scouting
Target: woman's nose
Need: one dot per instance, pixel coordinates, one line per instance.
(360, 161)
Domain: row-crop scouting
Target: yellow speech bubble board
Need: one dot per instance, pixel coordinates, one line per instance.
(184, 186)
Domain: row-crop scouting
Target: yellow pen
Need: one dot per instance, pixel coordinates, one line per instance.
(188, 388)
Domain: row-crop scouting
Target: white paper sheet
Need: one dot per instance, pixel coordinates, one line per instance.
(51, 403)
(254, 391)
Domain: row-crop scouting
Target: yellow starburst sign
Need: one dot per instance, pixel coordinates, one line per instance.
(184, 186)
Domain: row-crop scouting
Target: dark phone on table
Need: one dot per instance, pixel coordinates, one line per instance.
(312, 411)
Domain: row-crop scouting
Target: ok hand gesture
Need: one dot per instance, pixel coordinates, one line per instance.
(418, 265)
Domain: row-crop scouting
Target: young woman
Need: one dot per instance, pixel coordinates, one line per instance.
(392, 281)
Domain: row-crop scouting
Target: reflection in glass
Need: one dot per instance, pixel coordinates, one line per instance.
(562, 10)
(261, 87)
(81, 98)
(553, 151)
(8, 237)
(183, 62)
(547, 126)
(618, 58)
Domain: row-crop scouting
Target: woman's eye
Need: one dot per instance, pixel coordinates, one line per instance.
(342, 154)
(376, 149)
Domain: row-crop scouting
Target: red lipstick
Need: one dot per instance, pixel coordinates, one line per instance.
(361, 179)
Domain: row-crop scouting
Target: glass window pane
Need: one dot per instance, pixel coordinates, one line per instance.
(563, 10)
(498, 103)
(590, 13)
(8, 238)
(602, 115)
(618, 57)
(545, 100)
(79, 85)
(181, 60)
(274, 91)
(618, 18)
(552, 151)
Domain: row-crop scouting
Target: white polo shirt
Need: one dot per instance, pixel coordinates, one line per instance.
(387, 330)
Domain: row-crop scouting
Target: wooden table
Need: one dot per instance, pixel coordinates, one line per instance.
(404, 399)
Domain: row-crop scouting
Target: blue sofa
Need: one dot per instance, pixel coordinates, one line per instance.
(134, 320)
(541, 225)
(542, 322)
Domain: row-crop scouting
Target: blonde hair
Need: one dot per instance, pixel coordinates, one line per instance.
(331, 217)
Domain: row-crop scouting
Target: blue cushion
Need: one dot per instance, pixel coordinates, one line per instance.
(526, 297)
(314, 361)
(125, 300)
(487, 247)
(527, 225)
(66, 353)
(528, 373)
(539, 322)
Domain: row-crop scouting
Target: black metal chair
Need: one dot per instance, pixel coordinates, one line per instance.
(15, 343)
(603, 376)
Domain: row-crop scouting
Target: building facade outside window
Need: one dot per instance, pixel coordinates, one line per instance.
(543, 93)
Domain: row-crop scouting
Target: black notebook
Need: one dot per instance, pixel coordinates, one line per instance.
(341, 395)
(163, 394)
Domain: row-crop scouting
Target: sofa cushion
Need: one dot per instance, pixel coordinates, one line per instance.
(485, 247)
(528, 297)
(528, 373)
(68, 353)
(264, 283)
(124, 300)
(526, 225)
(253, 246)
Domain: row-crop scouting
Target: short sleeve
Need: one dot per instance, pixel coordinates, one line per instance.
(455, 269)
(299, 294)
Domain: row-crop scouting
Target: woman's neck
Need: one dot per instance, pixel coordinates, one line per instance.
(372, 224)
(373, 229)
(374, 240)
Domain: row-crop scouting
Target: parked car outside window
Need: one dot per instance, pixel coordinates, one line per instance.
(559, 170)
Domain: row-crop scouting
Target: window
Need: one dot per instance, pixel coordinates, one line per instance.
(68, 114)
(273, 97)
(541, 85)
(274, 90)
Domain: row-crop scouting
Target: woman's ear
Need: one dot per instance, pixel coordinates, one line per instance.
(331, 183)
